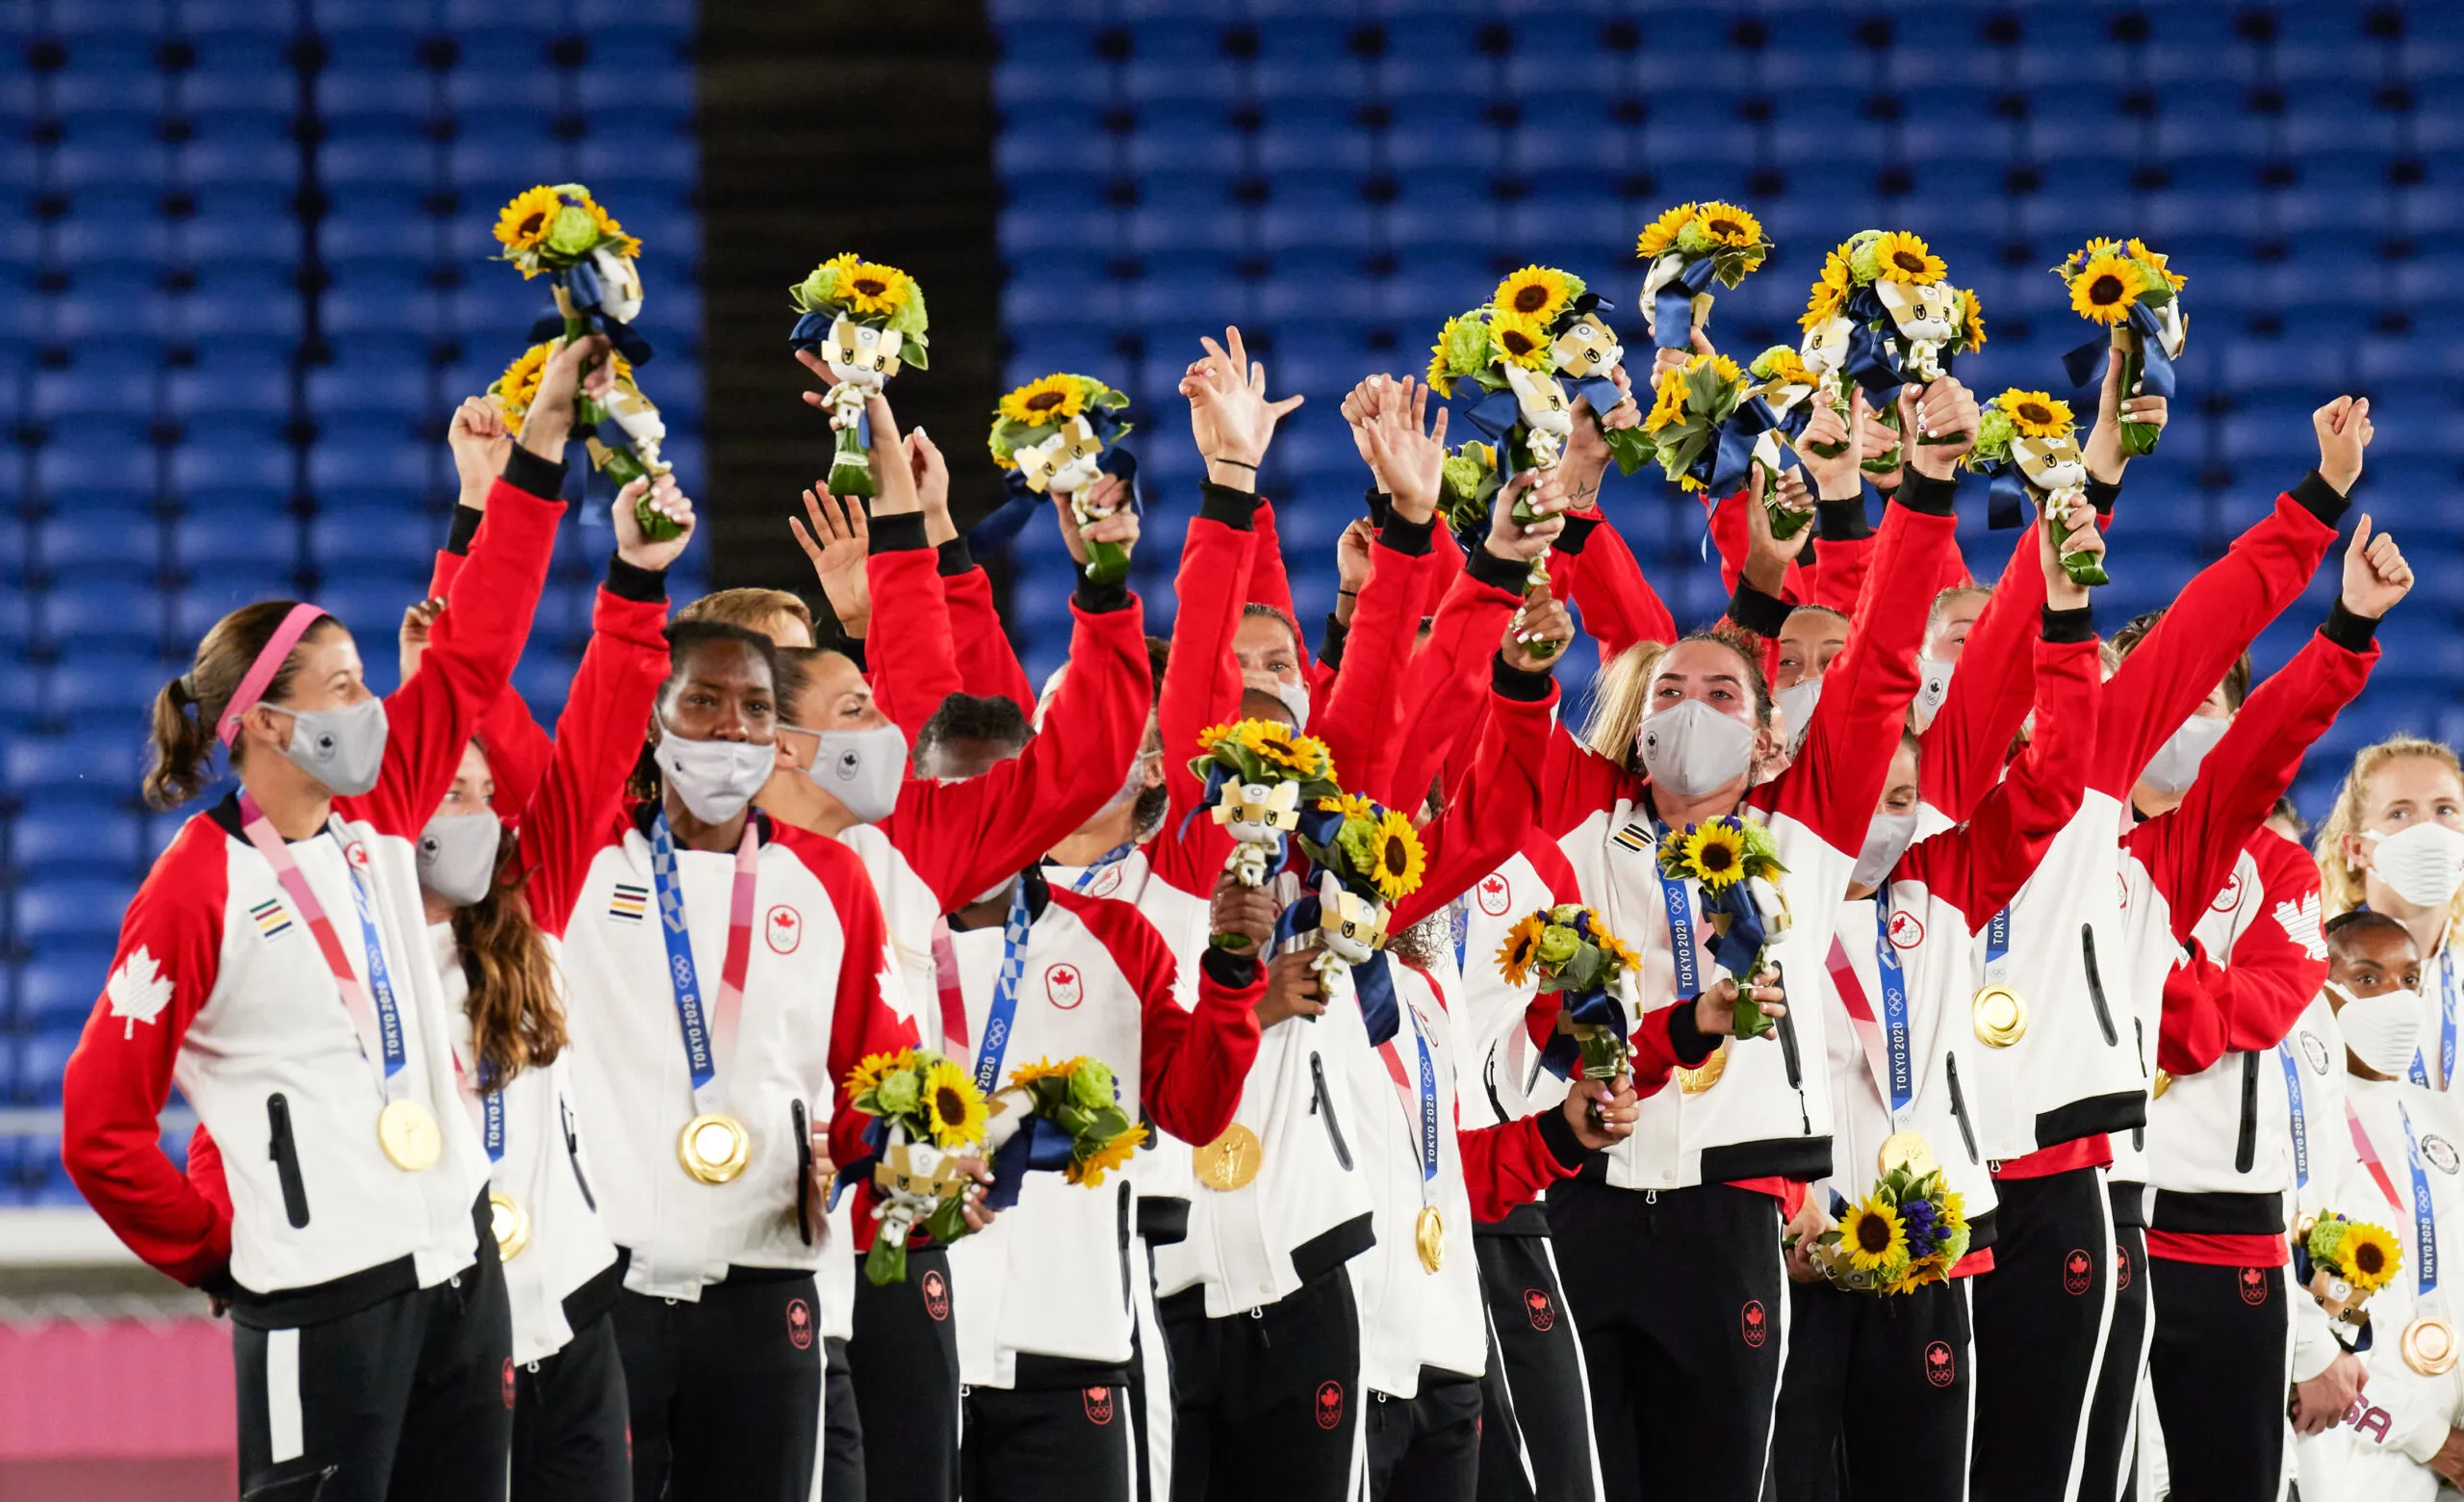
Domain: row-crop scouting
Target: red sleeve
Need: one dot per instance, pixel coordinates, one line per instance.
(1968, 741)
(1483, 826)
(205, 1171)
(1269, 585)
(1444, 678)
(986, 665)
(964, 836)
(469, 656)
(1201, 688)
(2276, 967)
(1837, 579)
(517, 746)
(1617, 603)
(112, 1096)
(564, 824)
(441, 575)
(913, 662)
(1191, 1064)
(1981, 865)
(2214, 620)
(1360, 718)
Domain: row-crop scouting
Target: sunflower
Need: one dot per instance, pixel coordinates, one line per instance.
(1401, 862)
(1668, 401)
(1302, 756)
(1351, 806)
(1613, 946)
(1731, 225)
(2138, 251)
(1042, 1069)
(1521, 948)
(1215, 735)
(1717, 854)
(1440, 376)
(2035, 414)
(1902, 257)
(1873, 1236)
(867, 1075)
(1263, 737)
(2369, 1255)
(2094, 247)
(1521, 340)
(1102, 1158)
(524, 222)
(1782, 366)
(1661, 233)
(1830, 291)
(952, 1105)
(2106, 290)
(1972, 322)
(1722, 366)
(1538, 293)
(866, 286)
(1917, 1275)
(1040, 404)
(606, 222)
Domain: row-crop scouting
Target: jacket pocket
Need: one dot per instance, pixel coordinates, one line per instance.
(2246, 1147)
(2096, 986)
(285, 1153)
(1322, 1104)
(1959, 1105)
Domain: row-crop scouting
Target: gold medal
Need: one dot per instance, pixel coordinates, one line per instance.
(1230, 1161)
(2163, 1082)
(713, 1148)
(1909, 1150)
(1704, 1076)
(1428, 1238)
(2428, 1345)
(510, 1223)
(1999, 1016)
(408, 1134)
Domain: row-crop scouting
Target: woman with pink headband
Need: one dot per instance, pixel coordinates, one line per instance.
(275, 967)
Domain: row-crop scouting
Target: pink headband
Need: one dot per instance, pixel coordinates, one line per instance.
(269, 662)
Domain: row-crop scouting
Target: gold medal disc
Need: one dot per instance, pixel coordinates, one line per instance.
(1909, 1150)
(2428, 1345)
(1704, 1076)
(1999, 1016)
(1230, 1161)
(408, 1134)
(713, 1148)
(2163, 1082)
(510, 1223)
(1428, 1238)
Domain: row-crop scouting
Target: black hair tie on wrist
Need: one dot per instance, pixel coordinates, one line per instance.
(1239, 463)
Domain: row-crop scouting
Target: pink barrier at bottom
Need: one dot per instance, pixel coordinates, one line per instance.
(121, 1388)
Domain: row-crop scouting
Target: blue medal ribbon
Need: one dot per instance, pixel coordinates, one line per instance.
(1429, 1103)
(2301, 1123)
(701, 1062)
(1682, 947)
(1002, 1017)
(1895, 1027)
(1104, 862)
(380, 980)
(2425, 1220)
(1997, 945)
(2420, 1073)
(492, 1124)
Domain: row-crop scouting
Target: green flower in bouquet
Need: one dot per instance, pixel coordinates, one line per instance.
(547, 229)
(1080, 1097)
(1375, 851)
(931, 1111)
(2033, 434)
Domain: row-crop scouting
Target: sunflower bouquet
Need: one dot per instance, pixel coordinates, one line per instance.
(2129, 290)
(1689, 247)
(1065, 1118)
(2343, 1262)
(866, 320)
(1707, 424)
(1910, 1231)
(1056, 435)
(2028, 443)
(639, 428)
(1259, 774)
(927, 1114)
(1736, 863)
(1514, 359)
(1903, 322)
(1468, 483)
(1369, 857)
(1567, 950)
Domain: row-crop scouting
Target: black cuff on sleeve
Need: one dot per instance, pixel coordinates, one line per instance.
(526, 471)
(1381, 505)
(1331, 646)
(955, 560)
(1690, 1043)
(852, 648)
(1926, 495)
(2351, 631)
(901, 534)
(1234, 508)
(2316, 497)
(1762, 614)
(2079, 625)
(1513, 683)
(644, 584)
(1842, 521)
(1559, 1135)
(1506, 574)
(2102, 496)
(466, 527)
(1100, 598)
(1579, 530)
(1410, 538)
(1234, 972)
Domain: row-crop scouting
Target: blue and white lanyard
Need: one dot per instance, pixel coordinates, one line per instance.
(1680, 925)
(492, 1124)
(1104, 862)
(1998, 946)
(381, 979)
(1895, 1027)
(1003, 1015)
(1426, 1144)
(2292, 1103)
(2420, 1075)
(2424, 1217)
(700, 1059)
(1458, 918)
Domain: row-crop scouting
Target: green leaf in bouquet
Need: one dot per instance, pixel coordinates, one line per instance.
(851, 468)
(1631, 446)
(1582, 970)
(948, 1221)
(886, 1263)
(1785, 521)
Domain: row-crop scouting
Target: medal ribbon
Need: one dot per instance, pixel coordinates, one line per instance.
(1860, 1018)
(708, 1034)
(383, 1020)
(1002, 1017)
(1680, 922)
(1104, 862)
(2424, 1218)
(492, 1125)
(1426, 1116)
(2420, 1075)
(2301, 1123)
(1998, 947)
(945, 981)
(2367, 1152)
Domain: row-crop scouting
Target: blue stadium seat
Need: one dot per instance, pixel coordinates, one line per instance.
(96, 765)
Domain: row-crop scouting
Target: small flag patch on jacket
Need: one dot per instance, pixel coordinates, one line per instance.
(629, 901)
(1633, 837)
(273, 917)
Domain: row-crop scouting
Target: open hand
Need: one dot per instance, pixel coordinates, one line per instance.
(1408, 458)
(2376, 573)
(837, 543)
(665, 499)
(2343, 430)
(1232, 392)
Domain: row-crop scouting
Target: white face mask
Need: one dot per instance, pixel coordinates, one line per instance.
(344, 749)
(715, 778)
(1796, 708)
(2422, 865)
(2176, 763)
(1886, 840)
(861, 769)
(457, 855)
(2383, 1032)
(1693, 749)
(1933, 687)
(1296, 698)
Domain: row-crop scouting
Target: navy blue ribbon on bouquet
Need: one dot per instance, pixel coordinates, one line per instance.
(1672, 305)
(2006, 503)
(2085, 364)
(1722, 466)
(1736, 950)
(1040, 1146)
(1597, 1007)
(812, 328)
(1371, 980)
(1002, 524)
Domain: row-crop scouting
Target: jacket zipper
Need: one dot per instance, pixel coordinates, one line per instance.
(1789, 1057)
(1489, 1083)
(2139, 1037)
(2096, 985)
(572, 1154)
(285, 1161)
(804, 1170)
(1959, 1105)
(1322, 1100)
(2246, 1151)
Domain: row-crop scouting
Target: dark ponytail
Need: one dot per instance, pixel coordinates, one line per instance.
(517, 1016)
(186, 708)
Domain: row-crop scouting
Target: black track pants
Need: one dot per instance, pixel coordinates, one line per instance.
(2112, 1428)
(2219, 1366)
(1535, 1428)
(2042, 1319)
(1427, 1448)
(1878, 1398)
(1267, 1404)
(904, 1360)
(726, 1391)
(570, 1442)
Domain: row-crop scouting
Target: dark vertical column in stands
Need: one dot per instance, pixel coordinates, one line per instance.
(829, 127)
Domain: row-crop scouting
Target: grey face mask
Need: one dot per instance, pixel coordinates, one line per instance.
(2176, 763)
(861, 769)
(457, 856)
(715, 778)
(1796, 706)
(344, 749)
(1886, 839)
(1692, 749)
